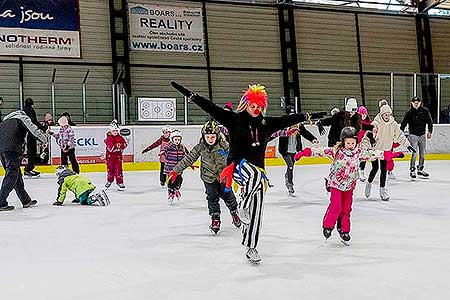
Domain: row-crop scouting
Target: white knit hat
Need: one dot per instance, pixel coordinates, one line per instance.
(351, 105)
(63, 121)
(114, 125)
(385, 109)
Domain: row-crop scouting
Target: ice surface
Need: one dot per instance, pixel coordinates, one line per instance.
(139, 247)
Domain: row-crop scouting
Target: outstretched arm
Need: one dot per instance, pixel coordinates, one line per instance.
(188, 160)
(277, 123)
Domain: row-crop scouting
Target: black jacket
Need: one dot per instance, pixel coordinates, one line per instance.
(417, 119)
(13, 130)
(31, 113)
(284, 140)
(336, 123)
(248, 135)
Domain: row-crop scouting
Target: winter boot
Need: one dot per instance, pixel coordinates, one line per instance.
(384, 194)
(345, 238)
(215, 223)
(235, 219)
(327, 232)
(422, 173)
(29, 204)
(107, 184)
(253, 255)
(412, 173)
(362, 176)
(6, 207)
(368, 189)
(121, 187)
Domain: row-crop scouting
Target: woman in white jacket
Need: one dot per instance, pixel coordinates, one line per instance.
(386, 131)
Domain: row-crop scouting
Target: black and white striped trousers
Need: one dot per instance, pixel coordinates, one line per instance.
(253, 181)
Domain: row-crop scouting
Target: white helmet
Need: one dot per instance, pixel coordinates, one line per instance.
(175, 133)
(351, 105)
(166, 128)
(59, 170)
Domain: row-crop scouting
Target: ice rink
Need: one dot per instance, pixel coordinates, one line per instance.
(139, 247)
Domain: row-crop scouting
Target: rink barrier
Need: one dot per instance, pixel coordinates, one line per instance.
(270, 162)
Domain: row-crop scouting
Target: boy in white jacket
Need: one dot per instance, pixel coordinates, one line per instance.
(386, 131)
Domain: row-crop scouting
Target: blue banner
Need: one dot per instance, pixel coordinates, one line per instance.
(40, 14)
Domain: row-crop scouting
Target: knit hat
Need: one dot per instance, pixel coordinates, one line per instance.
(385, 109)
(362, 110)
(228, 105)
(255, 94)
(382, 102)
(114, 125)
(351, 105)
(63, 121)
(335, 111)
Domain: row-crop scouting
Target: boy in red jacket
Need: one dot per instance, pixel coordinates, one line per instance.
(115, 144)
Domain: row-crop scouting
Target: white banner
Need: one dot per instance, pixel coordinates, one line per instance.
(90, 147)
(157, 109)
(166, 28)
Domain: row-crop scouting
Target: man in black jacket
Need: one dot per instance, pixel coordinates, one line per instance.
(417, 118)
(31, 140)
(13, 130)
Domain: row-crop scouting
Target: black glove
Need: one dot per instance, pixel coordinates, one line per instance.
(186, 92)
(320, 127)
(372, 140)
(411, 149)
(145, 151)
(401, 155)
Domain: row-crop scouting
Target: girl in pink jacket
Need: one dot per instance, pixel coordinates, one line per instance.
(346, 157)
(162, 143)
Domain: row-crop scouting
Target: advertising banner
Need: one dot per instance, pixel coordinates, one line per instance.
(48, 28)
(90, 148)
(166, 28)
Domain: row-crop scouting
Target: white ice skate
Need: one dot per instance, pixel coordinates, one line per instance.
(362, 176)
(121, 187)
(253, 256)
(100, 198)
(108, 185)
(384, 194)
(368, 189)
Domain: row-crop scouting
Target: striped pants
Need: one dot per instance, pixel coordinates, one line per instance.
(253, 183)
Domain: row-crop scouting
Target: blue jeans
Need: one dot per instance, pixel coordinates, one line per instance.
(13, 178)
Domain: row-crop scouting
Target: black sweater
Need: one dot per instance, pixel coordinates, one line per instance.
(284, 140)
(417, 119)
(246, 130)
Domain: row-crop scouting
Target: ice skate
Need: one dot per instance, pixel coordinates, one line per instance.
(345, 238)
(121, 187)
(362, 176)
(178, 195)
(32, 174)
(170, 198)
(327, 233)
(107, 185)
(391, 175)
(235, 219)
(384, 194)
(290, 188)
(215, 223)
(253, 256)
(368, 189)
(6, 208)
(412, 173)
(29, 204)
(422, 174)
(101, 199)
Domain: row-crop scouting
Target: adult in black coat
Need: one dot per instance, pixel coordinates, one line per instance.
(31, 140)
(13, 131)
(250, 131)
(288, 146)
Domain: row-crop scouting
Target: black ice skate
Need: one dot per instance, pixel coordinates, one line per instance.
(32, 174)
(215, 223)
(290, 188)
(345, 238)
(422, 174)
(253, 256)
(327, 232)
(29, 204)
(412, 173)
(235, 219)
(6, 208)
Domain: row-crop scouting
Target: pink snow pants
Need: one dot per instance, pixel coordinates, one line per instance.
(340, 206)
(114, 164)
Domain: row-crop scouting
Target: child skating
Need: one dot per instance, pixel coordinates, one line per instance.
(212, 150)
(115, 144)
(346, 156)
(161, 142)
(81, 186)
(173, 153)
(65, 138)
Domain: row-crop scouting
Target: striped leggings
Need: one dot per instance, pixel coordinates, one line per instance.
(253, 183)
